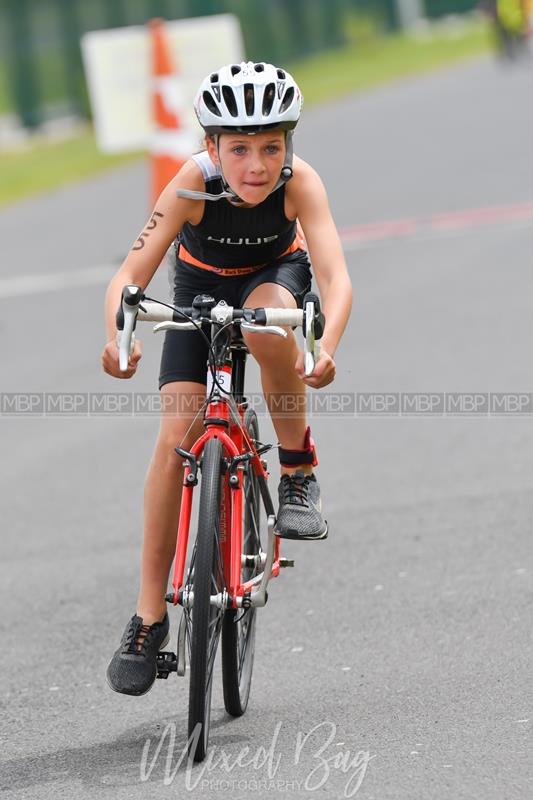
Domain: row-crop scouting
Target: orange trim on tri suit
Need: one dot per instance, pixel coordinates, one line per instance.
(298, 243)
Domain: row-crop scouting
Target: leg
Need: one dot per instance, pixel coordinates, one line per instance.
(162, 494)
(299, 514)
(284, 390)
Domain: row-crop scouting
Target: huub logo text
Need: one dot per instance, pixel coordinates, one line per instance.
(247, 240)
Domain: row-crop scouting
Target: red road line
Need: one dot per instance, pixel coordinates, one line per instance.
(481, 216)
(445, 221)
(373, 231)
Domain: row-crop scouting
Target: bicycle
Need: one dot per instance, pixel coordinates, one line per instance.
(228, 572)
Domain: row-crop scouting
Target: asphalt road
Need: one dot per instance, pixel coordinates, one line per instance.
(394, 661)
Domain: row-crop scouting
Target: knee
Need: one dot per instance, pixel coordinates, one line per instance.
(172, 435)
(268, 349)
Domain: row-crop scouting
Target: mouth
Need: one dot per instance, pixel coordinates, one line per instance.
(256, 183)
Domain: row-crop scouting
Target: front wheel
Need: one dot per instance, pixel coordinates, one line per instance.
(205, 619)
(239, 625)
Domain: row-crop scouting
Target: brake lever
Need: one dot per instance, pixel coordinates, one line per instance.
(313, 330)
(275, 329)
(175, 326)
(126, 321)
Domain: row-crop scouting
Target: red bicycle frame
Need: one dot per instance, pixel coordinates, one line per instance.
(224, 420)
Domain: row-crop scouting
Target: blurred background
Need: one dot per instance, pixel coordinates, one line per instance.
(41, 73)
(43, 91)
(411, 628)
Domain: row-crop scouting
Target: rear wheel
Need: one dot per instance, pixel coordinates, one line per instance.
(239, 625)
(205, 620)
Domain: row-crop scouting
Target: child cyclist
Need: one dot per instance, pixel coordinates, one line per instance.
(234, 210)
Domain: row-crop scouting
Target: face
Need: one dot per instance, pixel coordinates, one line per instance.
(251, 164)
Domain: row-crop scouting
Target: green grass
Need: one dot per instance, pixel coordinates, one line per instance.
(368, 62)
(375, 61)
(45, 166)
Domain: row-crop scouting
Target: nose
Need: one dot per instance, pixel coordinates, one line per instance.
(256, 163)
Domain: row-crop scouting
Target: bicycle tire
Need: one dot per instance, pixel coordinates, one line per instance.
(205, 619)
(239, 626)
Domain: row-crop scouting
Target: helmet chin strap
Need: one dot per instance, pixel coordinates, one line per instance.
(233, 197)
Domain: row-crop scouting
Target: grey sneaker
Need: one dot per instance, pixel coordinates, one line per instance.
(133, 668)
(299, 514)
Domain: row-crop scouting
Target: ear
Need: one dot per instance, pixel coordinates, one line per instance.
(212, 150)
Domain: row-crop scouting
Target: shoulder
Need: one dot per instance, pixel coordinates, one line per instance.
(304, 174)
(189, 176)
(192, 175)
(208, 169)
(305, 186)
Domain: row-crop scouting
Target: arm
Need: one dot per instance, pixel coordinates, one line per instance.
(147, 252)
(309, 200)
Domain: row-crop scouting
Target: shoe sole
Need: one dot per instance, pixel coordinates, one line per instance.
(140, 694)
(295, 536)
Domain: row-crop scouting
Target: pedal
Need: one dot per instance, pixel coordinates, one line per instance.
(286, 562)
(166, 663)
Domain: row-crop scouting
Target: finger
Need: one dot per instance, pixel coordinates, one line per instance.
(318, 381)
(319, 369)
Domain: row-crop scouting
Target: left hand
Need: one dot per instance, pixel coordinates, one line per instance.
(323, 373)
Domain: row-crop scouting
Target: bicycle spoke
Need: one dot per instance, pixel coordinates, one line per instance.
(212, 653)
(213, 622)
(242, 652)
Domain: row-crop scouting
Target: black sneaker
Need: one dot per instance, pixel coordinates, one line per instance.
(133, 668)
(299, 515)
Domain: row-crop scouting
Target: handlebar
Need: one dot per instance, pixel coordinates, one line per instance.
(134, 307)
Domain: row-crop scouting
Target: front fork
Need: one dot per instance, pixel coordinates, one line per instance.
(253, 592)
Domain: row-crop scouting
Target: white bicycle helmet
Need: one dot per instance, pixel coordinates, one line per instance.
(247, 98)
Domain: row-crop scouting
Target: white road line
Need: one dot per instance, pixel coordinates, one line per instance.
(354, 237)
(55, 281)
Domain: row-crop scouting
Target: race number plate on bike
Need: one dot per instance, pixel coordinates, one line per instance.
(223, 380)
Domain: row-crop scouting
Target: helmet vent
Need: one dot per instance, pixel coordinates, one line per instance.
(281, 75)
(235, 69)
(214, 77)
(287, 99)
(259, 67)
(210, 103)
(268, 99)
(249, 98)
(229, 99)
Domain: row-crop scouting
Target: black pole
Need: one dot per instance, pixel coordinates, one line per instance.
(332, 16)
(297, 16)
(262, 41)
(23, 75)
(115, 13)
(390, 11)
(70, 31)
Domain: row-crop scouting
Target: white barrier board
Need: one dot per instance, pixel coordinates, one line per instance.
(118, 71)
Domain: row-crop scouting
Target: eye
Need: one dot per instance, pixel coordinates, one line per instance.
(239, 149)
(272, 148)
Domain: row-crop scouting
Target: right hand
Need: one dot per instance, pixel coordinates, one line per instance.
(110, 361)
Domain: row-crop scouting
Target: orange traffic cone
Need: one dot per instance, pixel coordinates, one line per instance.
(171, 145)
